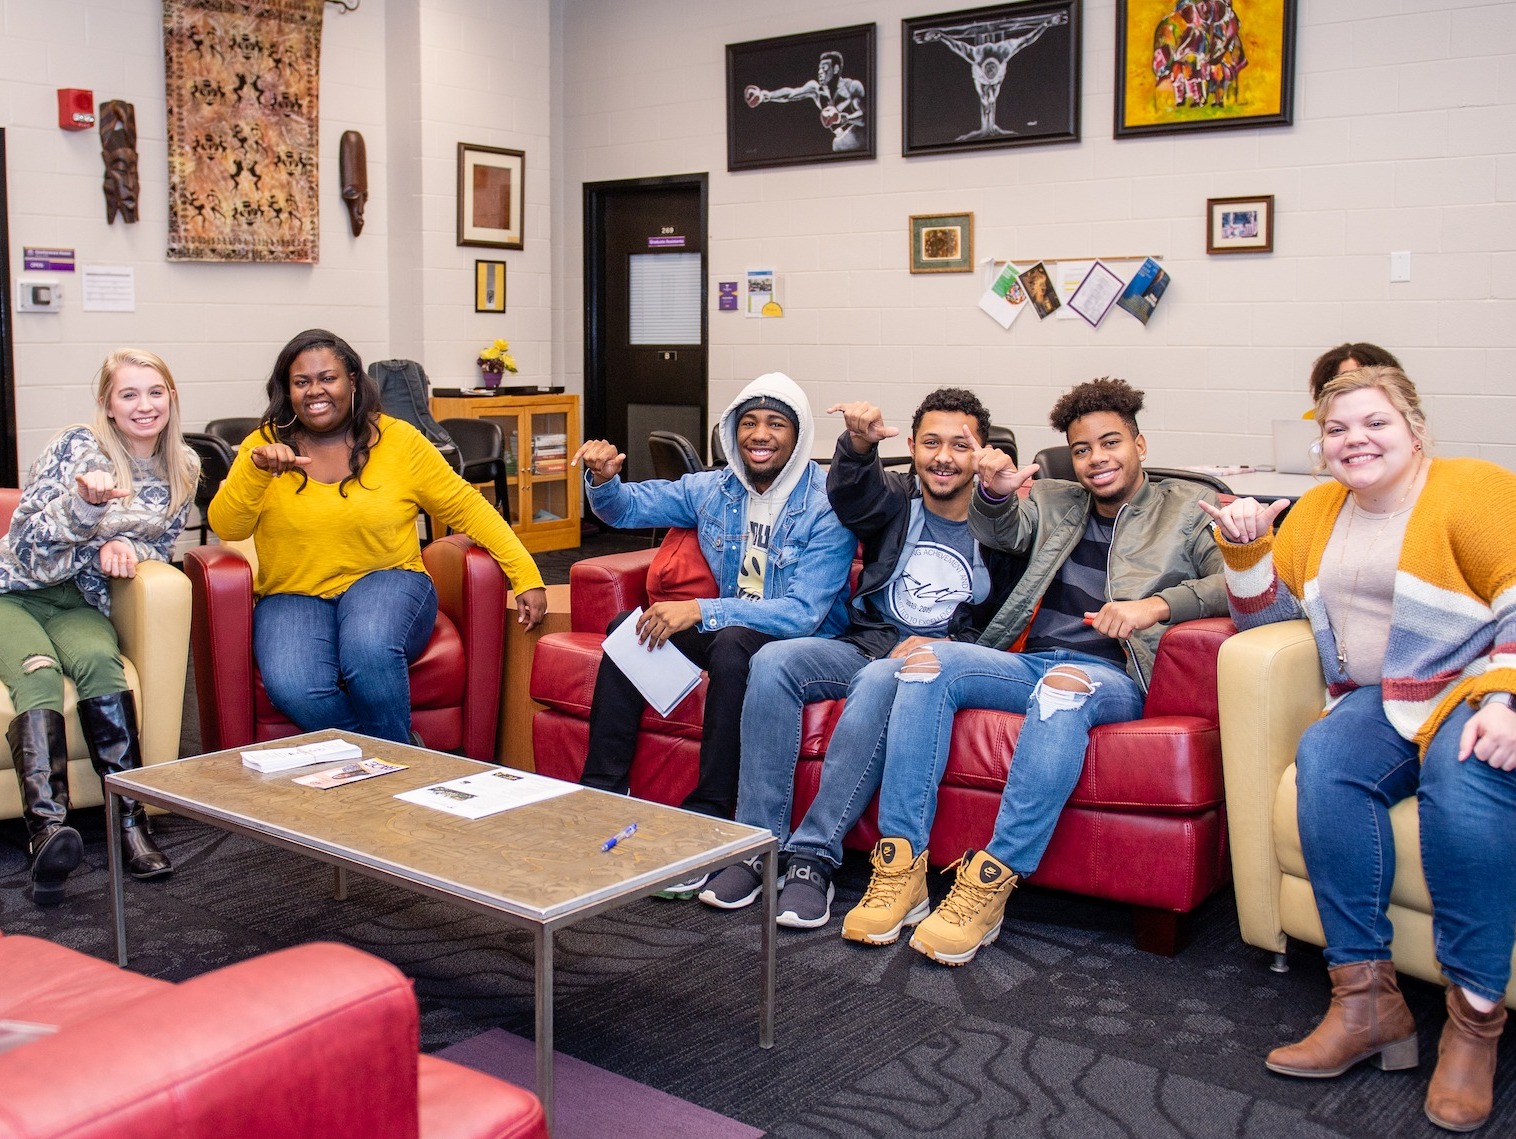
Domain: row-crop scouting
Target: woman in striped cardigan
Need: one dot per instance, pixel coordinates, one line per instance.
(1405, 567)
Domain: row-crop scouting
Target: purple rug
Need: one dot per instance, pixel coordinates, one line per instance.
(592, 1102)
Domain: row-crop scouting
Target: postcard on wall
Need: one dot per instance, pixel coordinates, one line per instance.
(1004, 298)
(1040, 292)
(488, 793)
(1068, 276)
(1095, 294)
(1144, 290)
(347, 773)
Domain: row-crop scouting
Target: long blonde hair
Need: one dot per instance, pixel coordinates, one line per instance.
(177, 463)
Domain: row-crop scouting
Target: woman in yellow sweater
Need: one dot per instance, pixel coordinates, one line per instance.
(329, 488)
(1406, 570)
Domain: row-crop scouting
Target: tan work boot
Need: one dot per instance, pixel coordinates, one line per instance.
(1463, 1086)
(1367, 1019)
(896, 896)
(970, 915)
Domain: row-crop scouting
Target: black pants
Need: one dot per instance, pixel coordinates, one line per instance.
(616, 712)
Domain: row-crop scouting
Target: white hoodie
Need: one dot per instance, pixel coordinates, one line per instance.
(763, 509)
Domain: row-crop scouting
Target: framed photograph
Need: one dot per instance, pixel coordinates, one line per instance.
(805, 98)
(991, 77)
(491, 196)
(942, 243)
(1240, 225)
(1189, 67)
(489, 286)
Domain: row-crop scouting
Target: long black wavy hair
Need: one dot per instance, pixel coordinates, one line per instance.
(280, 422)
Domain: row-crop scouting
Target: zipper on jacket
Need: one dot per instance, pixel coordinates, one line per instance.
(1126, 645)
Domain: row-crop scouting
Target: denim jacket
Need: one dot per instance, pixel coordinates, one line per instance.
(810, 555)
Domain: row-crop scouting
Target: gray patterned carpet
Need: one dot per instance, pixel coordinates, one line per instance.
(1060, 1029)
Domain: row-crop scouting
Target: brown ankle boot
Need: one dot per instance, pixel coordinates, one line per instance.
(1367, 1019)
(1462, 1089)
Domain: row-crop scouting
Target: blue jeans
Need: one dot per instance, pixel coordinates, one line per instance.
(1351, 767)
(343, 662)
(785, 676)
(905, 729)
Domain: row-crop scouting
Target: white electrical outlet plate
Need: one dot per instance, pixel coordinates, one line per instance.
(1400, 266)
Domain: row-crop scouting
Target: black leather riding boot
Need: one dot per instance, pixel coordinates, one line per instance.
(40, 756)
(110, 729)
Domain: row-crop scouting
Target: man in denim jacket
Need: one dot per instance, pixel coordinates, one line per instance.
(780, 558)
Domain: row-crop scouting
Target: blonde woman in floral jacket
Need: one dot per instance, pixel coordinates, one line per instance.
(97, 501)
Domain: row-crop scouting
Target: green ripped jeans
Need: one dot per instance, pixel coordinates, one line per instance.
(47, 634)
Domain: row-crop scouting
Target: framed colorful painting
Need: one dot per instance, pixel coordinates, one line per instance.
(942, 243)
(1182, 66)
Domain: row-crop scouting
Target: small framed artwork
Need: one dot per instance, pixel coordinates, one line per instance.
(1191, 67)
(1240, 225)
(805, 98)
(489, 286)
(942, 243)
(491, 196)
(991, 77)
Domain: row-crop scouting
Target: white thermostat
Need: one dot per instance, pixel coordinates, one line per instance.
(38, 296)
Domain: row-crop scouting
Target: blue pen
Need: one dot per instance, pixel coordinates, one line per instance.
(624, 833)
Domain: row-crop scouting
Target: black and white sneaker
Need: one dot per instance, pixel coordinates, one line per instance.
(736, 887)
(807, 899)
(682, 891)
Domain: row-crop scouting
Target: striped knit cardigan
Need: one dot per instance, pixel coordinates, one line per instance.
(1453, 613)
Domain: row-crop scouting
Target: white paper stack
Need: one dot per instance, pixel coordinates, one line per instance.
(663, 675)
(271, 760)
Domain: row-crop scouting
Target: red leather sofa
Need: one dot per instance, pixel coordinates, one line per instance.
(455, 683)
(316, 1042)
(1146, 825)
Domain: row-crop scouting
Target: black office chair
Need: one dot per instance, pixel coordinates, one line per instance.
(1004, 439)
(674, 456)
(216, 459)
(404, 392)
(233, 429)
(481, 451)
(718, 452)
(1189, 476)
(1054, 463)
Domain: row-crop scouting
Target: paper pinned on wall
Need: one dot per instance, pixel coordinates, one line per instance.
(1067, 277)
(1145, 290)
(1096, 294)
(1003, 298)
(761, 291)
(109, 288)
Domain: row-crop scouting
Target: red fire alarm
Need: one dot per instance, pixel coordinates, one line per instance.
(76, 109)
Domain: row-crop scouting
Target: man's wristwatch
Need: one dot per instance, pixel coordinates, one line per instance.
(1503, 698)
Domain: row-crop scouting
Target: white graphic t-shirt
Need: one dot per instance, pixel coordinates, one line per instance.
(937, 577)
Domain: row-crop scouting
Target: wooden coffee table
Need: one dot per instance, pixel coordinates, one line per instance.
(538, 866)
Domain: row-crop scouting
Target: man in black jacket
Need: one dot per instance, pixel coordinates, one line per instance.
(924, 579)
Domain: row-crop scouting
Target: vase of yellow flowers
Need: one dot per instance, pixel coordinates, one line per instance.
(494, 361)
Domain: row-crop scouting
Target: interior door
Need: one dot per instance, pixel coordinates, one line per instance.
(645, 313)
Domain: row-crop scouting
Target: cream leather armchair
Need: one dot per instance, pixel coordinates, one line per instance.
(151, 613)
(1270, 689)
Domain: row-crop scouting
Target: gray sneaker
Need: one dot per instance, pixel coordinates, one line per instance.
(736, 887)
(807, 899)
(682, 891)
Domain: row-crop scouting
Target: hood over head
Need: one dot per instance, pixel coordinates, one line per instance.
(779, 387)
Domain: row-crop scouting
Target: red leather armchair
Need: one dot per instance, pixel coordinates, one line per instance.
(455, 683)
(316, 1042)
(1146, 825)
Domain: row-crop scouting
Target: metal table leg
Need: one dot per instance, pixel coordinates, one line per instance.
(770, 906)
(339, 883)
(113, 861)
(544, 939)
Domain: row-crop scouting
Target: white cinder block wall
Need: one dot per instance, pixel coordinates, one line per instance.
(1404, 138)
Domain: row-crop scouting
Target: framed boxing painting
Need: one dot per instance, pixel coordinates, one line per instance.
(1182, 66)
(991, 77)
(805, 98)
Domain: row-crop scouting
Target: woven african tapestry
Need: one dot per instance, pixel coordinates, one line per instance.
(243, 79)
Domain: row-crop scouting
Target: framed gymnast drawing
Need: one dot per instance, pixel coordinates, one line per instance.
(991, 77)
(805, 98)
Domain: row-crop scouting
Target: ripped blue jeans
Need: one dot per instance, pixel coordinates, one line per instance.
(1049, 753)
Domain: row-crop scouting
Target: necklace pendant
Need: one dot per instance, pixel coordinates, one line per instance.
(1342, 660)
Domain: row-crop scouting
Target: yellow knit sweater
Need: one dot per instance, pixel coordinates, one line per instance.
(1453, 613)
(318, 542)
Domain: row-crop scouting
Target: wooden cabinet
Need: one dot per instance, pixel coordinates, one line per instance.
(541, 435)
